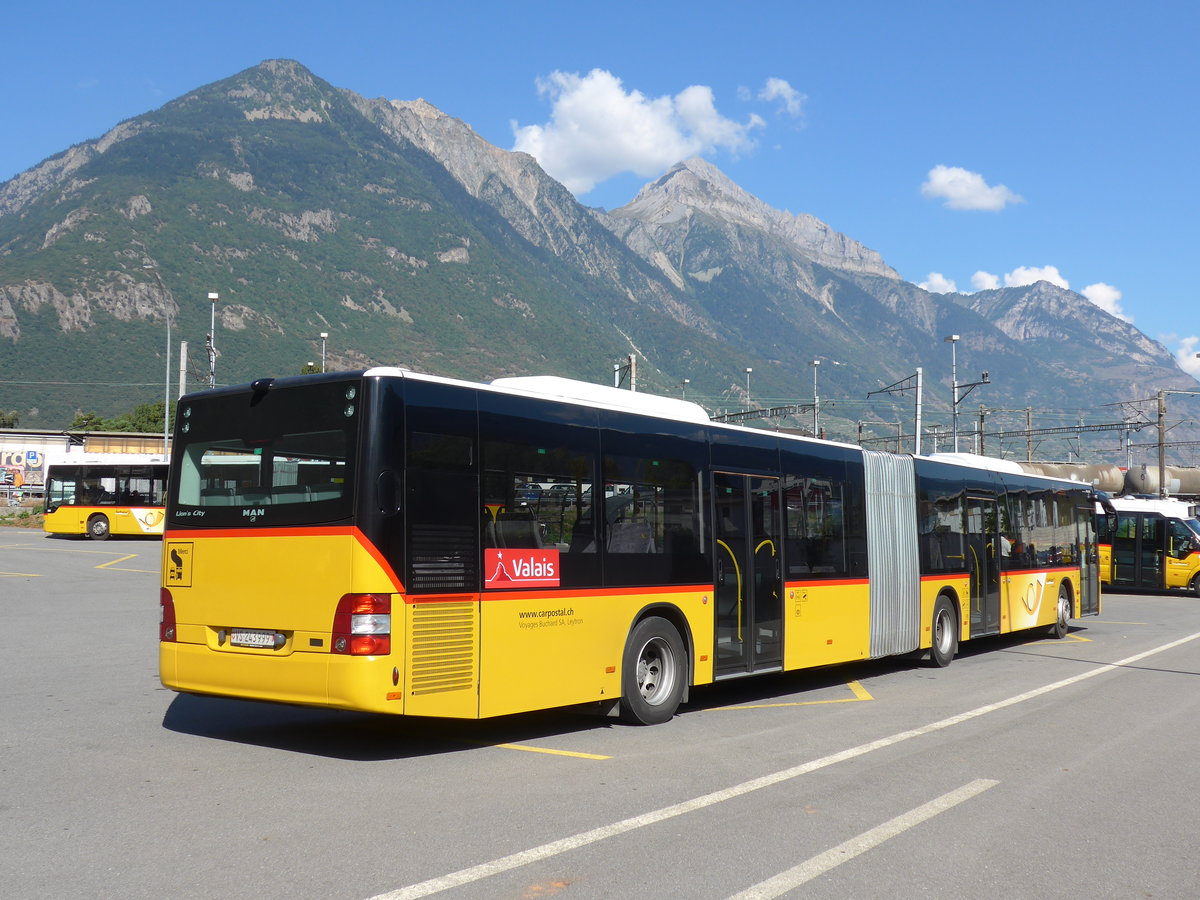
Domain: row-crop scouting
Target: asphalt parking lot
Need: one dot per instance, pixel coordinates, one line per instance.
(1028, 768)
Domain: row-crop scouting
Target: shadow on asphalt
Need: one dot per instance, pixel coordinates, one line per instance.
(371, 737)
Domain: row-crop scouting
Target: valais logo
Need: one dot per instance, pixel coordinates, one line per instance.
(520, 567)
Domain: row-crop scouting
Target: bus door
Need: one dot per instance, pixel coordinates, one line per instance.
(983, 560)
(1137, 550)
(1088, 554)
(748, 588)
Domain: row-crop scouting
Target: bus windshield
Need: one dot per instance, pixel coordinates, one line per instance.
(275, 457)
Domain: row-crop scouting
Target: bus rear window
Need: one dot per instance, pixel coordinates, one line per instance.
(286, 459)
(225, 474)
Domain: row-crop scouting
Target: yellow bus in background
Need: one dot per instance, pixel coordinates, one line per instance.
(394, 542)
(106, 494)
(1150, 542)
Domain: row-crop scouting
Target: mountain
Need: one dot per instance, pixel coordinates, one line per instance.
(408, 239)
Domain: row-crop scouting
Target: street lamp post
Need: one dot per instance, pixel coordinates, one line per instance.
(324, 336)
(684, 385)
(167, 388)
(952, 340)
(816, 401)
(213, 296)
(748, 371)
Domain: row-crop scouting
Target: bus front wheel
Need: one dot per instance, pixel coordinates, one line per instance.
(97, 528)
(652, 673)
(1194, 585)
(945, 633)
(1062, 618)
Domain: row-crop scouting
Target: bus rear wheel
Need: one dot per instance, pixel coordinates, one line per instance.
(944, 628)
(97, 527)
(652, 673)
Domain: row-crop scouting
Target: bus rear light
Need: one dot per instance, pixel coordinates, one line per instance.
(166, 615)
(362, 625)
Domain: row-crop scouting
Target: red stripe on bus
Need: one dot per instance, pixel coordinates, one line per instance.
(816, 582)
(588, 592)
(1045, 571)
(305, 531)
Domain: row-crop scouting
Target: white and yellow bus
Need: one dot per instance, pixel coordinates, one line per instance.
(408, 544)
(1150, 543)
(105, 494)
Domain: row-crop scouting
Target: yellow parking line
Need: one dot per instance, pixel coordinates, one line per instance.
(860, 693)
(1078, 638)
(111, 564)
(23, 574)
(551, 752)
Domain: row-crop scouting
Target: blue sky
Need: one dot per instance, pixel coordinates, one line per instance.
(971, 144)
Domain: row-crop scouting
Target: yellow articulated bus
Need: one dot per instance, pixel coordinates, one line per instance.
(1150, 543)
(106, 494)
(402, 543)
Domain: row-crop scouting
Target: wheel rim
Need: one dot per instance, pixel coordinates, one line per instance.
(941, 632)
(656, 671)
(99, 526)
(1064, 611)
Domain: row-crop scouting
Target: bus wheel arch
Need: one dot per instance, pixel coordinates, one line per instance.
(943, 639)
(98, 528)
(654, 670)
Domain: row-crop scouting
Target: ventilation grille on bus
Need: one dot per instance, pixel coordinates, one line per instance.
(443, 647)
(442, 558)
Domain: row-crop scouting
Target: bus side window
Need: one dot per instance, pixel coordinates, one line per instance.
(1180, 540)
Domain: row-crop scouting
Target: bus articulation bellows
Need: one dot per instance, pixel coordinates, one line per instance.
(401, 543)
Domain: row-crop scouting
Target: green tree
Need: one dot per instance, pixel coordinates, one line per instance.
(87, 421)
(145, 417)
(309, 368)
(9, 419)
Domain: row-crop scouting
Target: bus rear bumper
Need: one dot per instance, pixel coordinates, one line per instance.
(308, 679)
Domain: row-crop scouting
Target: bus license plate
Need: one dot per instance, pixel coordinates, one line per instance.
(252, 637)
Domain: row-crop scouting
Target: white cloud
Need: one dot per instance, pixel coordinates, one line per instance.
(962, 189)
(1185, 355)
(597, 129)
(937, 283)
(985, 281)
(1019, 277)
(792, 99)
(1023, 275)
(1108, 298)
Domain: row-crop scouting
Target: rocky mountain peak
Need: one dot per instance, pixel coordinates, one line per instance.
(696, 186)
